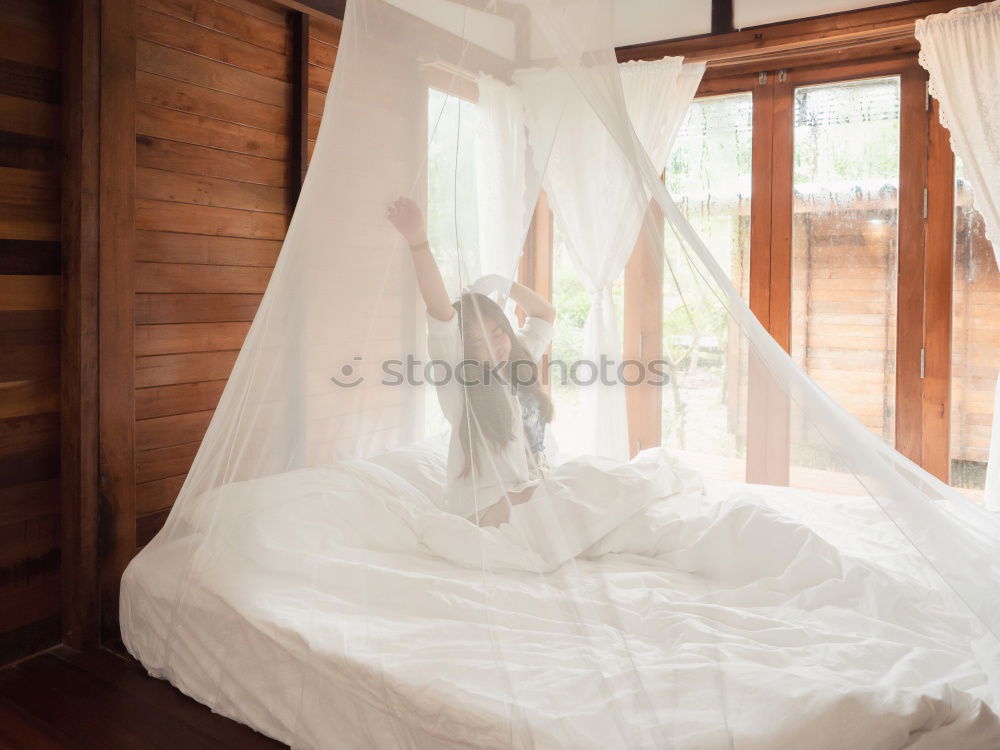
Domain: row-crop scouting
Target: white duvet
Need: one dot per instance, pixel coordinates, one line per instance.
(339, 608)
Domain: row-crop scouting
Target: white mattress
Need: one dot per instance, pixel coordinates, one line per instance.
(739, 618)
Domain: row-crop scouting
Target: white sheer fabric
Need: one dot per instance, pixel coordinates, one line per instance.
(961, 52)
(311, 581)
(598, 210)
(501, 160)
(657, 96)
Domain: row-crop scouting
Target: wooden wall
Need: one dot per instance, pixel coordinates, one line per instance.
(184, 222)
(975, 343)
(29, 326)
(214, 193)
(844, 307)
(844, 287)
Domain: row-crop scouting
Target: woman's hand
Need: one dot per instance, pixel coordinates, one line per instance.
(499, 512)
(404, 214)
(534, 305)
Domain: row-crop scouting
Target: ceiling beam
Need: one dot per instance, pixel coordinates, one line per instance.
(722, 16)
(328, 8)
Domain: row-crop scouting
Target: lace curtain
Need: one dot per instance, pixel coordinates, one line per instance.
(961, 52)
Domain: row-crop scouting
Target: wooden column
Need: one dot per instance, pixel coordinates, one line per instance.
(80, 321)
(644, 332)
(117, 303)
(760, 270)
(300, 103)
(938, 273)
(768, 412)
(782, 210)
(535, 269)
(910, 286)
(760, 199)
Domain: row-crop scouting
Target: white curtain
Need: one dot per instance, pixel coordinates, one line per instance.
(657, 97)
(599, 209)
(501, 154)
(961, 52)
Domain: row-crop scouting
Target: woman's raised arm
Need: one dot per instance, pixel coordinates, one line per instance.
(533, 304)
(406, 217)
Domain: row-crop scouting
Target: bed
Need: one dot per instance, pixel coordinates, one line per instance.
(330, 608)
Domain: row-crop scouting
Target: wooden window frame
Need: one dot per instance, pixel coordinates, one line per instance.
(935, 455)
(910, 226)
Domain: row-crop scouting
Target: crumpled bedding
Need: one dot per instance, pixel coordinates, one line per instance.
(340, 607)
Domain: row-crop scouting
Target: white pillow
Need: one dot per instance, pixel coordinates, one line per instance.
(423, 464)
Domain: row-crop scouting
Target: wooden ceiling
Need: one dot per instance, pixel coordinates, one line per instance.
(332, 8)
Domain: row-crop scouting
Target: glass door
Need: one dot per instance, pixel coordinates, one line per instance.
(704, 401)
(844, 264)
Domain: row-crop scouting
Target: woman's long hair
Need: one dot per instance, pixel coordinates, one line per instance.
(488, 412)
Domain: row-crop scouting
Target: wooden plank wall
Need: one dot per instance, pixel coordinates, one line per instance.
(29, 326)
(214, 146)
(976, 342)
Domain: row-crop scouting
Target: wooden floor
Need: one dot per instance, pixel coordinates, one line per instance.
(102, 699)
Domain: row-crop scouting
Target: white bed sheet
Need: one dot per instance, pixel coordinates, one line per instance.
(742, 617)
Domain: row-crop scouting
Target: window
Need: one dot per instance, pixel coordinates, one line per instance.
(452, 211)
(451, 185)
(812, 180)
(823, 191)
(703, 405)
(844, 237)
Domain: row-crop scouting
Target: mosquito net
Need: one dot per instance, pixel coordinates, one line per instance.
(416, 522)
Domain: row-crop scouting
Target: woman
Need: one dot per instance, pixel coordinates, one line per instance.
(497, 450)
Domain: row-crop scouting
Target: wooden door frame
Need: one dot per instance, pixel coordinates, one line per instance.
(117, 303)
(911, 250)
(771, 222)
(79, 370)
(938, 290)
(97, 436)
(910, 228)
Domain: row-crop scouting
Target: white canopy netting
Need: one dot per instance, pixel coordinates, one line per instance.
(380, 543)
